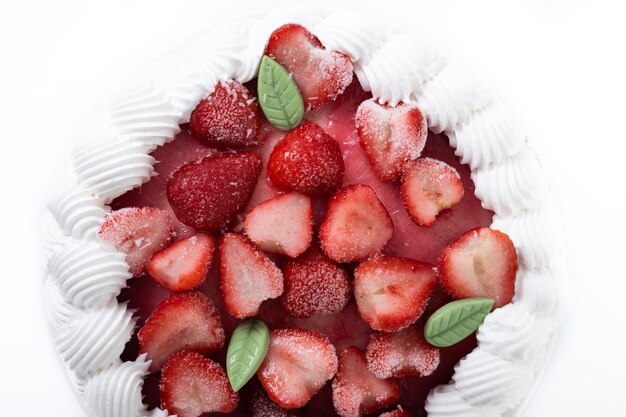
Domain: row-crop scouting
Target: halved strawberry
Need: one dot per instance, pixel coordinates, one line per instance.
(357, 391)
(480, 263)
(356, 225)
(139, 233)
(314, 284)
(247, 276)
(183, 266)
(298, 364)
(192, 385)
(321, 75)
(282, 225)
(306, 160)
(208, 193)
(227, 118)
(401, 354)
(392, 292)
(399, 412)
(391, 136)
(182, 321)
(428, 187)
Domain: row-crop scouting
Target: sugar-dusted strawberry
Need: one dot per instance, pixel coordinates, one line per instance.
(356, 225)
(192, 385)
(182, 321)
(392, 292)
(391, 136)
(321, 75)
(282, 225)
(399, 412)
(314, 284)
(298, 364)
(428, 187)
(227, 118)
(357, 391)
(183, 266)
(401, 354)
(139, 233)
(307, 160)
(208, 193)
(247, 276)
(480, 263)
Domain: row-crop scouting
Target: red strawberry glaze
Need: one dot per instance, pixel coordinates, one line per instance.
(345, 328)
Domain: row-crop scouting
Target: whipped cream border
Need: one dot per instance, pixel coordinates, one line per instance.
(84, 274)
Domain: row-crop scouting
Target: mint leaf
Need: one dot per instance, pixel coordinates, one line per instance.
(246, 351)
(456, 320)
(279, 96)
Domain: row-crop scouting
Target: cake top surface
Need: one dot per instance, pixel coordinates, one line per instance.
(132, 130)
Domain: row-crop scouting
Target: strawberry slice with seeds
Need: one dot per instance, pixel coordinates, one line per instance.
(391, 136)
(357, 391)
(192, 385)
(282, 225)
(227, 118)
(182, 321)
(209, 193)
(139, 233)
(306, 160)
(314, 284)
(356, 225)
(430, 186)
(480, 263)
(401, 354)
(247, 276)
(184, 265)
(392, 293)
(321, 75)
(298, 364)
(400, 412)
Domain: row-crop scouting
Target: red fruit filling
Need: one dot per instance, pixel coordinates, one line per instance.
(234, 193)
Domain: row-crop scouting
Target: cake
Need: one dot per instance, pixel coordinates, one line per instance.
(193, 161)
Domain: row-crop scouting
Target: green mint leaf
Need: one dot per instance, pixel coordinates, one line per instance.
(246, 351)
(456, 320)
(279, 96)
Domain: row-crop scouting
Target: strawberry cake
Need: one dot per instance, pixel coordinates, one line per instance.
(303, 215)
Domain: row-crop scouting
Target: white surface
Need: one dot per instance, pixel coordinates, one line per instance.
(560, 63)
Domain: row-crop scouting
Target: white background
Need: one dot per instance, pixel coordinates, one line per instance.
(559, 62)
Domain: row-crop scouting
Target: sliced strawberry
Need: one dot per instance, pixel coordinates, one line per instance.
(282, 225)
(401, 354)
(392, 292)
(298, 364)
(314, 284)
(192, 385)
(184, 265)
(182, 321)
(356, 225)
(399, 412)
(480, 263)
(227, 118)
(357, 391)
(207, 194)
(430, 186)
(321, 75)
(139, 233)
(391, 136)
(306, 160)
(247, 276)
